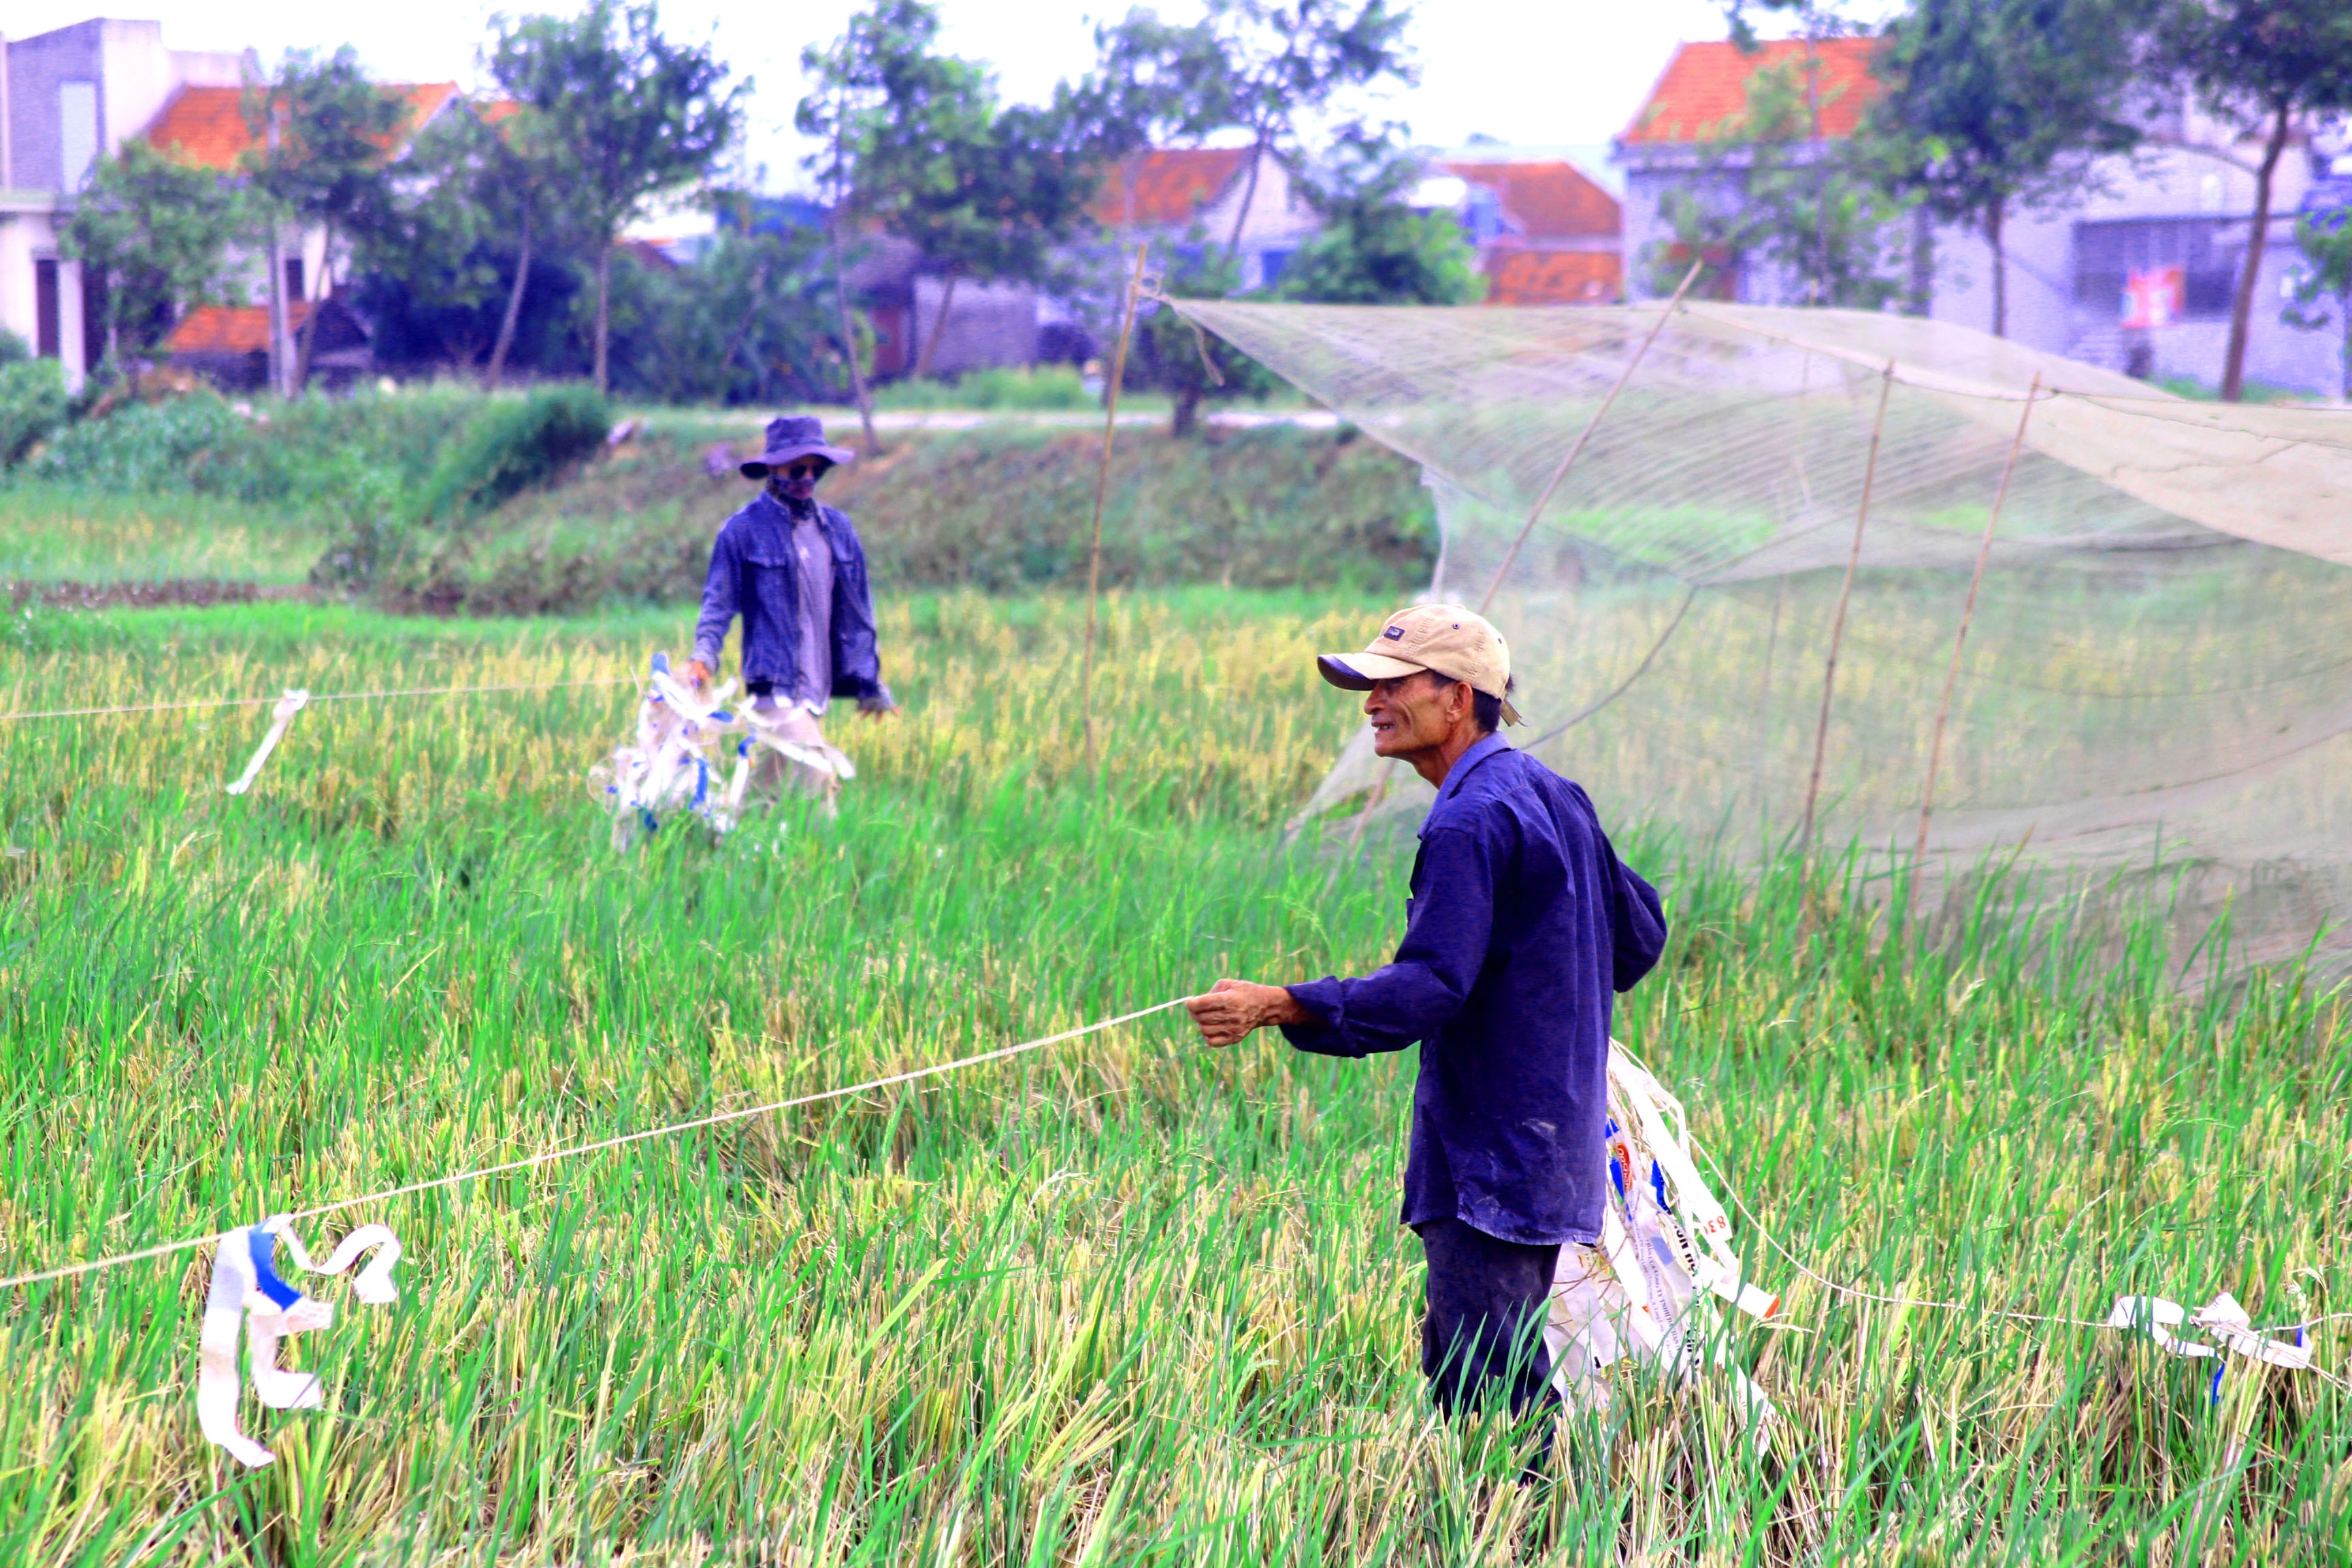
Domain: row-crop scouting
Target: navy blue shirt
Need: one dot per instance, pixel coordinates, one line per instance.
(753, 573)
(1521, 929)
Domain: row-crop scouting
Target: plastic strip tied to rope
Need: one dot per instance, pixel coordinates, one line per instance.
(683, 737)
(281, 717)
(2221, 1319)
(248, 1296)
(1666, 1246)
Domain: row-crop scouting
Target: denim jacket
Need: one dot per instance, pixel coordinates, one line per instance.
(752, 574)
(1522, 929)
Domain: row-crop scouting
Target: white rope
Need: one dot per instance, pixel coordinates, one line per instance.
(327, 697)
(167, 1248)
(1857, 1293)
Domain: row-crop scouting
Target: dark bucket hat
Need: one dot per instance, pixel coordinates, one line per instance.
(794, 435)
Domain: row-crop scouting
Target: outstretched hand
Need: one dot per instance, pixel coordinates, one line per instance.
(696, 675)
(1230, 1009)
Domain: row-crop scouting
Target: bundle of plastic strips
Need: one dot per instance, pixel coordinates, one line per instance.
(1666, 1246)
(684, 740)
(249, 1295)
(2153, 698)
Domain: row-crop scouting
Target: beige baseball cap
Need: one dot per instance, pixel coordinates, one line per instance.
(1455, 643)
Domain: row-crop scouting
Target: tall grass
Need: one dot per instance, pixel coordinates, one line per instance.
(1126, 1300)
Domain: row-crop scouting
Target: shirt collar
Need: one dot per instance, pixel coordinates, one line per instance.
(1463, 765)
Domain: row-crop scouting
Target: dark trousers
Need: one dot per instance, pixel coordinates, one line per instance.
(1482, 1335)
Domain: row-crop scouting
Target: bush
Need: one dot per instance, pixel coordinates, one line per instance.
(1048, 387)
(196, 440)
(512, 446)
(32, 404)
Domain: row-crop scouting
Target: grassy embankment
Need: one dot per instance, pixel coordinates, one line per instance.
(1125, 1300)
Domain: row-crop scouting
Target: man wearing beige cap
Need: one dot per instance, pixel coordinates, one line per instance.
(1522, 929)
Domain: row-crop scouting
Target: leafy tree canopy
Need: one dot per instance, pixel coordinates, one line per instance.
(1374, 248)
(1994, 104)
(156, 232)
(631, 114)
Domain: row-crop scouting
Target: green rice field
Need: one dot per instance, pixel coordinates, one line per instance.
(1123, 1301)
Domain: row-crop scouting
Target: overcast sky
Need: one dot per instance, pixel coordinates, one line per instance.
(1535, 72)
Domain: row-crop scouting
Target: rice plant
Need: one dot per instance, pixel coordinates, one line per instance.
(1122, 1301)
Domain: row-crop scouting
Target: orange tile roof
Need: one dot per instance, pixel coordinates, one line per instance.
(1170, 186)
(1553, 278)
(232, 328)
(207, 125)
(1705, 86)
(1546, 201)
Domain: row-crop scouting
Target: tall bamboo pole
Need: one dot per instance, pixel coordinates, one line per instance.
(1968, 613)
(1495, 584)
(1102, 493)
(1845, 595)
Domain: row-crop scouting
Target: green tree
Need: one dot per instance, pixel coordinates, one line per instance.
(2264, 65)
(980, 191)
(2326, 241)
(156, 234)
(631, 115)
(1191, 364)
(1266, 68)
(1154, 83)
(1991, 105)
(435, 237)
(325, 133)
(750, 322)
(1772, 192)
(1374, 248)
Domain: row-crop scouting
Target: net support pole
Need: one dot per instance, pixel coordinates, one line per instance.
(1968, 613)
(1845, 596)
(1495, 584)
(1102, 494)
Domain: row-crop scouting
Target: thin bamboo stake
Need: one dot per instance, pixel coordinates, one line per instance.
(1591, 425)
(1968, 613)
(1845, 594)
(1102, 492)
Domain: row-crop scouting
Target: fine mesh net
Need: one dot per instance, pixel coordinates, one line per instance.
(2156, 685)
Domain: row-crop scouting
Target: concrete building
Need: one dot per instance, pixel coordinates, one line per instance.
(67, 98)
(2135, 269)
(1191, 200)
(1545, 232)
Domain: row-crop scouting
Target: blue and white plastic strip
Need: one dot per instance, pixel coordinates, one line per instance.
(249, 1297)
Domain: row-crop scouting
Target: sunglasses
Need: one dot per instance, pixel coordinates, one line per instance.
(804, 470)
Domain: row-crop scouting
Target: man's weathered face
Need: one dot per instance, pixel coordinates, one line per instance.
(796, 480)
(1417, 713)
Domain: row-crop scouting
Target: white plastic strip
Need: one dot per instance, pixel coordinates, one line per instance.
(280, 718)
(2222, 1318)
(687, 742)
(1665, 1244)
(249, 1297)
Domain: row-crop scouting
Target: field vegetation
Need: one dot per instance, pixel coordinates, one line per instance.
(1122, 1301)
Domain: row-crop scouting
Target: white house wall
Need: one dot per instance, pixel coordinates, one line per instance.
(988, 324)
(1278, 219)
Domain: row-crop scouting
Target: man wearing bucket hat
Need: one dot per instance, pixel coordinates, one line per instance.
(795, 572)
(1521, 929)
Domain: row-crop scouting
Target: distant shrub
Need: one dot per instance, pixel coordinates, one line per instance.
(33, 403)
(196, 440)
(512, 446)
(1048, 387)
